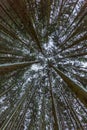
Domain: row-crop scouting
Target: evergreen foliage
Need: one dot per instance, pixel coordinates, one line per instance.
(43, 65)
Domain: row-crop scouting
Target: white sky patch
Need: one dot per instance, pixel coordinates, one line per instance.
(49, 45)
(36, 67)
(84, 64)
(2, 99)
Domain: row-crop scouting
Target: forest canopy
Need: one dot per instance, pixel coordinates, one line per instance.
(43, 65)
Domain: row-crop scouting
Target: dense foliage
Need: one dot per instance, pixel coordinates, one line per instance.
(43, 65)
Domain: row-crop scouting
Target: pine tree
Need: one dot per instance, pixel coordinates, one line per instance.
(43, 64)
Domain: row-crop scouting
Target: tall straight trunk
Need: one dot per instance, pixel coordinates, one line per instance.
(54, 111)
(13, 66)
(80, 92)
